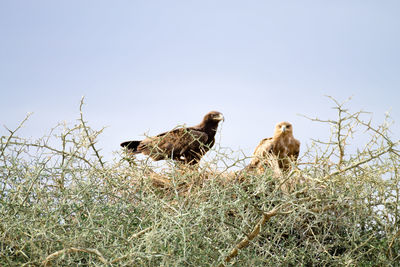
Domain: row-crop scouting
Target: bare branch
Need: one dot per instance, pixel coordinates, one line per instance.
(47, 261)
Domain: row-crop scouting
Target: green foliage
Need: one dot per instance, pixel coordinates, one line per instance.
(62, 204)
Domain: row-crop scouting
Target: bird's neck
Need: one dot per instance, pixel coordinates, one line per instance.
(282, 136)
(209, 127)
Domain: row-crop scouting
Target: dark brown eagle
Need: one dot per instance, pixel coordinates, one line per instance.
(282, 147)
(186, 144)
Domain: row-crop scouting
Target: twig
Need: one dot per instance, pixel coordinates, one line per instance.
(47, 261)
(33, 182)
(53, 150)
(339, 135)
(256, 230)
(12, 134)
(88, 135)
(139, 234)
(389, 250)
(355, 165)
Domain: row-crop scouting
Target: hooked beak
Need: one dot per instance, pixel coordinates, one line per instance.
(220, 117)
(283, 128)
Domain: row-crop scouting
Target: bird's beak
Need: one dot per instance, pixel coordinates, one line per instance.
(220, 117)
(283, 128)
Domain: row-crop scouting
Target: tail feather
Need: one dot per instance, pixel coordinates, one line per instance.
(131, 145)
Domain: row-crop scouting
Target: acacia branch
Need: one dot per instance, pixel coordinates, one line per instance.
(63, 153)
(392, 242)
(140, 233)
(88, 135)
(355, 165)
(12, 133)
(47, 261)
(254, 233)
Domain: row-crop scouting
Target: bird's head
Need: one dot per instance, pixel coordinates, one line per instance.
(283, 128)
(213, 116)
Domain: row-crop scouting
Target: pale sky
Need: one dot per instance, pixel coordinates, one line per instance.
(148, 66)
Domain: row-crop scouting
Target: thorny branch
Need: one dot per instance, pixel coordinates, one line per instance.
(89, 136)
(253, 234)
(12, 133)
(47, 261)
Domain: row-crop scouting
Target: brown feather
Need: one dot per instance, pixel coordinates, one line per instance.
(186, 144)
(282, 145)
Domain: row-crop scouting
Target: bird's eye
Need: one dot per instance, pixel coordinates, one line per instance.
(288, 126)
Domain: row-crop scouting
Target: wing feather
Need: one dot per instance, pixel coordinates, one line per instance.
(173, 144)
(264, 147)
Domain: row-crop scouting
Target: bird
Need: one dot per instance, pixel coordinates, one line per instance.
(281, 148)
(185, 144)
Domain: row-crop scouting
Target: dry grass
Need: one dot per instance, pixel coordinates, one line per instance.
(62, 204)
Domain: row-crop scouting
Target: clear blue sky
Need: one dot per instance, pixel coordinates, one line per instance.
(147, 66)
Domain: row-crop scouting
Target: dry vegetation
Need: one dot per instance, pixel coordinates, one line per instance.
(62, 204)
